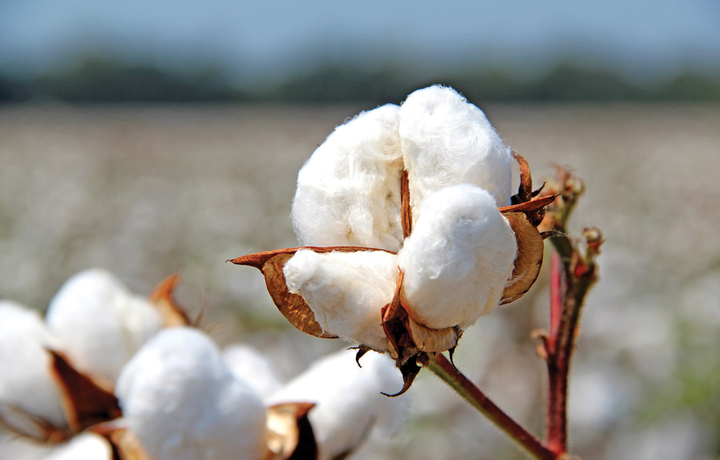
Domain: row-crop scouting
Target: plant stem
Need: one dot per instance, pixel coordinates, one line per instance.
(471, 393)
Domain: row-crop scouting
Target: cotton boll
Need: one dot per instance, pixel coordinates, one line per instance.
(349, 403)
(346, 291)
(348, 192)
(87, 446)
(458, 258)
(14, 447)
(447, 141)
(183, 403)
(26, 381)
(248, 364)
(101, 324)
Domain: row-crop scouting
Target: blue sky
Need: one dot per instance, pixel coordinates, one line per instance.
(263, 39)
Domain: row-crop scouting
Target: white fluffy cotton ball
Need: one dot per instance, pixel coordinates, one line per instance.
(100, 323)
(25, 365)
(87, 446)
(447, 141)
(458, 258)
(181, 400)
(346, 291)
(348, 192)
(349, 400)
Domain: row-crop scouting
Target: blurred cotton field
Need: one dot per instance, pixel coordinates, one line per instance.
(146, 191)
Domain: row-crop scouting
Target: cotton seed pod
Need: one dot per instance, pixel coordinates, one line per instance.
(458, 258)
(87, 446)
(248, 364)
(26, 382)
(345, 291)
(348, 192)
(100, 323)
(349, 404)
(447, 141)
(183, 403)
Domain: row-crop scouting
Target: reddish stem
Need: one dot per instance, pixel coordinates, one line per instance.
(465, 388)
(556, 298)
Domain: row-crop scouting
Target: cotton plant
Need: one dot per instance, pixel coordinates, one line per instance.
(57, 375)
(409, 230)
(182, 399)
(410, 233)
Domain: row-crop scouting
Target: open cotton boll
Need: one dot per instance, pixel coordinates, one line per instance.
(250, 365)
(348, 192)
(447, 141)
(346, 291)
(14, 447)
(183, 403)
(349, 403)
(87, 446)
(26, 381)
(458, 258)
(100, 323)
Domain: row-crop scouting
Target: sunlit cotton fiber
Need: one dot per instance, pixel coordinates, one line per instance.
(26, 382)
(346, 291)
(348, 192)
(183, 403)
(87, 446)
(448, 141)
(349, 403)
(458, 258)
(100, 323)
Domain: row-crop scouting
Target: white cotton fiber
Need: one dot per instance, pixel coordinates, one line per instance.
(250, 365)
(447, 141)
(25, 375)
(458, 258)
(100, 323)
(348, 192)
(87, 446)
(346, 291)
(349, 403)
(183, 403)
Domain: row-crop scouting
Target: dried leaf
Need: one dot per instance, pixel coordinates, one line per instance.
(125, 445)
(290, 435)
(395, 324)
(525, 190)
(529, 206)
(432, 340)
(405, 208)
(528, 260)
(30, 426)
(292, 306)
(162, 297)
(85, 402)
(409, 370)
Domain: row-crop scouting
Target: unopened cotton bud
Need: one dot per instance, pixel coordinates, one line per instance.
(100, 323)
(87, 446)
(181, 400)
(458, 258)
(447, 141)
(26, 382)
(250, 365)
(346, 291)
(348, 192)
(349, 400)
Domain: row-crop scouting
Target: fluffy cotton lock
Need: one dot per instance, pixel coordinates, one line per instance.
(87, 446)
(349, 403)
(458, 258)
(181, 400)
(447, 141)
(348, 192)
(100, 323)
(248, 364)
(346, 291)
(25, 375)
